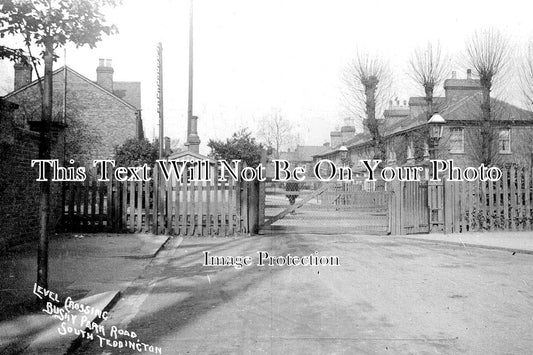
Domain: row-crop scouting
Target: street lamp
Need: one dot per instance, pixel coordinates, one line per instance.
(343, 152)
(436, 125)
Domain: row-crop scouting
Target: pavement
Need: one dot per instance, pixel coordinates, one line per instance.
(387, 295)
(92, 269)
(516, 242)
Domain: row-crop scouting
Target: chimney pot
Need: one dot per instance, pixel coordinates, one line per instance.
(454, 74)
(109, 63)
(469, 73)
(101, 62)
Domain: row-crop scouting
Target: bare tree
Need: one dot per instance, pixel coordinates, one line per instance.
(367, 82)
(526, 77)
(488, 52)
(276, 132)
(428, 68)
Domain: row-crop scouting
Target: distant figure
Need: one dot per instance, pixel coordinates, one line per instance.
(292, 186)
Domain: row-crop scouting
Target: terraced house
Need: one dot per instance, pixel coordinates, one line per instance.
(405, 130)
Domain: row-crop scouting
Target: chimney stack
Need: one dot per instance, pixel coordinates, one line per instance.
(104, 74)
(469, 74)
(335, 138)
(23, 73)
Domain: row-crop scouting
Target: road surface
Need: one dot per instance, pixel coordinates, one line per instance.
(388, 295)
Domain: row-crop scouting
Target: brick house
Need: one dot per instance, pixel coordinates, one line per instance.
(405, 130)
(19, 190)
(110, 109)
(302, 155)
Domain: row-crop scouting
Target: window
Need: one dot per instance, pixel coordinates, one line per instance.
(504, 140)
(457, 140)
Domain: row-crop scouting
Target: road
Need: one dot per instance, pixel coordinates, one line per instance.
(388, 295)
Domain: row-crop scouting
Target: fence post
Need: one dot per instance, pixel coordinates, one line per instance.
(261, 194)
(253, 205)
(244, 206)
(395, 207)
(155, 208)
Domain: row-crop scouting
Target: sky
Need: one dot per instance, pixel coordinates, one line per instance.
(256, 57)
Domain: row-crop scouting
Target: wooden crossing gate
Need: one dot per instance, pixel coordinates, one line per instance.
(313, 206)
(412, 205)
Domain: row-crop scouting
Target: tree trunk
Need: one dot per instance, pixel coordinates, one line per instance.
(486, 134)
(44, 153)
(429, 100)
(372, 123)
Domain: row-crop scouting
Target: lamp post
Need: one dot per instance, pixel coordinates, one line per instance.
(344, 153)
(345, 162)
(436, 125)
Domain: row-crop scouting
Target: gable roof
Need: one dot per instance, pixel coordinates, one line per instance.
(187, 154)
(129, 91)
(468, 84)
(468, 109)
(72, 71)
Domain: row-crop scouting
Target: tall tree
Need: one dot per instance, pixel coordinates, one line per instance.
(428, 68)
(367, 81)
(49, 24)
(241, 146)
(526, 77)
(276, 132)
(488, 52)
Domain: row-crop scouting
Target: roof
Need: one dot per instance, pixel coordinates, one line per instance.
(421, 101)
(396, 112)
(5, 104)
(72, 71)
(187, 154)
(306, 152)
(462, 83)
(129, 91)
(467, 109)
(303, 153)
(451, 109)
(360, 138)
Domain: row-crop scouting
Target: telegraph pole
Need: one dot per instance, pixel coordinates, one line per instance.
(193, 141)
(189, 106)
(160, 97)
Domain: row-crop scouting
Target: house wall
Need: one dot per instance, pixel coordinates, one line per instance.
(113, 121)
(19, 190)
(521, 147)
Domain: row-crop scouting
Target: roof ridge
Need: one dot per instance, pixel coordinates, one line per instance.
(58, 70)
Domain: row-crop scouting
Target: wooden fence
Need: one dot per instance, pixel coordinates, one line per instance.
(92, 206)
(409, 207)
(484, 205)
(463, 206)
(162, 207)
